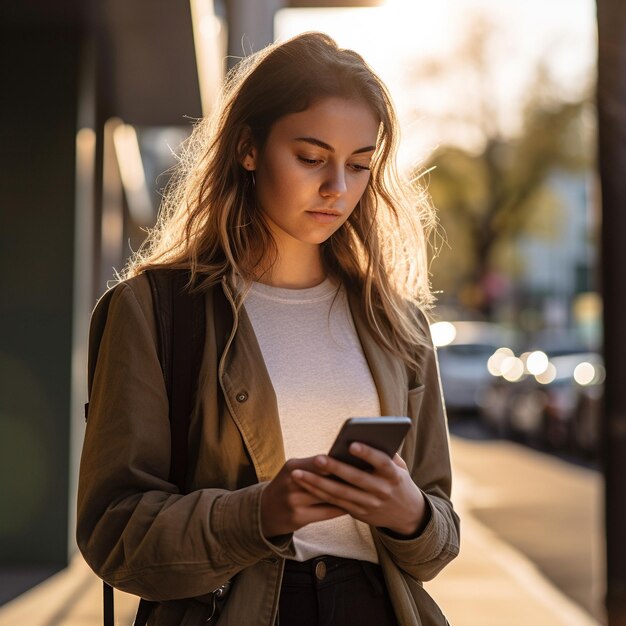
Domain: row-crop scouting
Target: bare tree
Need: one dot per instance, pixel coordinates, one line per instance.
(487, 195)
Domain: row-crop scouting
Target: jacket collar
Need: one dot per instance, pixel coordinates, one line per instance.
(388, 371)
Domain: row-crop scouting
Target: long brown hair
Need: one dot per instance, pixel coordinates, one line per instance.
(209, 221)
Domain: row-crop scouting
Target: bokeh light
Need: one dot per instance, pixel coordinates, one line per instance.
(494, 364)
(537, 362)
(512, 369)
(443, 333)
(584, 373)
(546, 377)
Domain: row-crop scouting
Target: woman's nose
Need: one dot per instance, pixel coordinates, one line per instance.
(334, 184)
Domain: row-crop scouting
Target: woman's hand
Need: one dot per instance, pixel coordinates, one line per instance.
(286, 505)
(386, 497)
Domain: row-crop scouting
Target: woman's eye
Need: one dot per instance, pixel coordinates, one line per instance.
(359, 168)
(308, 161)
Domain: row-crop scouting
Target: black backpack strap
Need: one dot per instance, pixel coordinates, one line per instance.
(143, 612)
(180, 318)
(108, 604)
(96, 330)
(187, 335)
(162, 303)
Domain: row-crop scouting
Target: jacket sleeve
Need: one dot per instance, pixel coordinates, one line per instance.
(133, 527)
(426, 453)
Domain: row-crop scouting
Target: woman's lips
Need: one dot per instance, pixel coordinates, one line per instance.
(323, 218)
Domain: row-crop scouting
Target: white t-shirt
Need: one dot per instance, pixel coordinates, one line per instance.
(321, 378)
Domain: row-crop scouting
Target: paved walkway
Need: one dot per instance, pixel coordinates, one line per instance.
(489, 584)
(492, 584)
(547, 507)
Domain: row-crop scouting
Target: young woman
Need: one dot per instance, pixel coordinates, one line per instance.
(286, 202)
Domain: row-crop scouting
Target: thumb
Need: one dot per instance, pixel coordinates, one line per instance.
(399, 461)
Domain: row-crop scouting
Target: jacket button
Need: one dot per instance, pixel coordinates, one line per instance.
(242, 396)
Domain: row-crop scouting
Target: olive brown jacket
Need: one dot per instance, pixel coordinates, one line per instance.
(141, 535)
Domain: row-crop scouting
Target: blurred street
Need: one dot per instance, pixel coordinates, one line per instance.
(531, 550)
(547, 513)
(547, 508)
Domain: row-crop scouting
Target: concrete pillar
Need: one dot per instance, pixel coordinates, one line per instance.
(250, 26)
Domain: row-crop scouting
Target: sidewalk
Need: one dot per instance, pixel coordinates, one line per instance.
(72, 597)
(492, 584)
(489, 584)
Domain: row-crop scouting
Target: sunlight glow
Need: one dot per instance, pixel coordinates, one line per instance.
(406, 40)
(132, 173)
(209, 37)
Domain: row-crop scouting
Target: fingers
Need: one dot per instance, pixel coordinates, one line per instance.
(399, 461)
(393, 502)
(383, 497)
(383, 466)
(287, 506)
(304, 510)
(295, 497)
(321, 512)
(381, 462)
(309, 464)
(363, 490)
(354, 501)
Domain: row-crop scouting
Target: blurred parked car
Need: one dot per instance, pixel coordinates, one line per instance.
(513, 409)
(558, 406)
(588, 418)
(464, 348)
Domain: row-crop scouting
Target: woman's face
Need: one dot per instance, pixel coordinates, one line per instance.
(313, 169)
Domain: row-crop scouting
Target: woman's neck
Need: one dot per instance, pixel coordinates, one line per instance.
(298, 268)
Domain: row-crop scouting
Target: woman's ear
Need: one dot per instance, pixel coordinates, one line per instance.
(246, 150)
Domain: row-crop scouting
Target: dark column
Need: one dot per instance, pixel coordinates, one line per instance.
(39, 77)
(612, 159)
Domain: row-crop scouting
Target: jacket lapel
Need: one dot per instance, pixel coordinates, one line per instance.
(387, 370)
(252, 401)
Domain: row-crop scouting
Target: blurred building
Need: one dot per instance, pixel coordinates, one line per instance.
(558, 266)
(71, 72)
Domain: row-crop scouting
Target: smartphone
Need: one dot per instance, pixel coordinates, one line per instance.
(382, 433)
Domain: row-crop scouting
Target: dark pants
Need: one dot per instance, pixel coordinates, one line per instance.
(331, 591)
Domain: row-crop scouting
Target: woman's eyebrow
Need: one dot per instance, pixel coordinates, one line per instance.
(322, 144)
